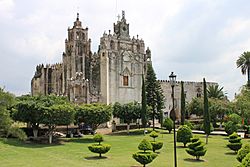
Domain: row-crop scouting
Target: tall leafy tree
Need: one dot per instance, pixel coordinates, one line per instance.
(127, 112)
(93, 114)
(160, 102)
(153, 93)
(206, 115)
(6, 123)
(243, 62)
(143, 105)
(183, 112)
(214, 91)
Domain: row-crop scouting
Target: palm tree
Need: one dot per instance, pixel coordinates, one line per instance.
(243, 62)
(214, 91)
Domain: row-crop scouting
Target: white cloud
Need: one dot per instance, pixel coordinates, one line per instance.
(6, 8)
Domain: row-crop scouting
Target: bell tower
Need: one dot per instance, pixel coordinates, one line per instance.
(121, 28)
(76, 61)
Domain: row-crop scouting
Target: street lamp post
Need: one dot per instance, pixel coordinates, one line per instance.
(172, 79)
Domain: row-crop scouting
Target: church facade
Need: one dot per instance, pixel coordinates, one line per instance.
(112, 74)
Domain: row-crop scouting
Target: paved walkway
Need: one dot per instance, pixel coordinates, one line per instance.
(241, 134)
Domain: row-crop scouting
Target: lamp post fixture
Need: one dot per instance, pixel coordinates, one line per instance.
(172, 79)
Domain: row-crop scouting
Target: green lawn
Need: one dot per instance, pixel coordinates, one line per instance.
(75, 153)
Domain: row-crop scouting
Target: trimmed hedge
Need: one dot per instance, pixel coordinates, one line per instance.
(184, 134)
(144, 157)
(243, 152)
(246, 161)
(235, 142)
(99, 148)
(196, 148)
(157, 145)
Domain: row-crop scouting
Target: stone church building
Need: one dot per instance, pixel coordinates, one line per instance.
(112, 74)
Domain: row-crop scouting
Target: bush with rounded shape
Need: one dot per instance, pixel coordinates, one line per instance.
(235, 142)
(168, 124)
(156, 145)
(184, 134)
(235, 118)
(99, 148)
(98, 138)
(196, 148)
(153, 134)
(144, 157)
(231, 127)
(145, 145)
(243, 152)
(246, 161)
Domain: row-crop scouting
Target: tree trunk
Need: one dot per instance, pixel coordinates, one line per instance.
(35, 132)
(248, 77)
(153, 117)
(50, 138)
(206, 138)
(128, 127)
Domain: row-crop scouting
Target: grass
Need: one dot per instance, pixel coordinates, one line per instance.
(74, 152)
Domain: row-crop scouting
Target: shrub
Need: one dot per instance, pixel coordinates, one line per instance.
(99, 148)
(196, 148)
(98, 138)
(168, 124)
(231, 127)
(243, 152)
(154, 135)
(156, 145)
(184, 134)
(147, 156)
(235, 142)
(145, 145)
(246, 161)
(144, 157)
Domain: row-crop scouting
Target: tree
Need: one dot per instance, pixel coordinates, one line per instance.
(243, 62)
(35, 110)
(196, 106)
(6, 123)
(214, 91)
(127, 112)
(99, 148)
(143, 105)
(61, 114)
(234, 142)
(146, 156)
(93, 114)
(183, 113)
(196, 148)
(153, 93)
(206, 115)
(184, 134)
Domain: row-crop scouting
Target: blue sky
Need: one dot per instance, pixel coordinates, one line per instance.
(193, 38)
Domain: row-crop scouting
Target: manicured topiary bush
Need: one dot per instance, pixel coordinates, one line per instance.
(145, 156)
(235, 142)
(246, 161)
(99, 148)
(168, 124)
(196, 148)
(184, 134)
(156, 145)
(243, 152)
